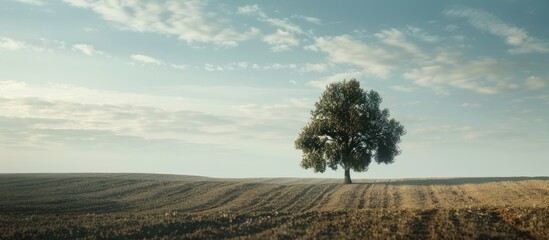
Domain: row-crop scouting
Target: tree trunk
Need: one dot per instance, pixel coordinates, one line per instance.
(347, 177)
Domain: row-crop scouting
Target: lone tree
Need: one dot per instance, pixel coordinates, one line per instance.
(347, 128)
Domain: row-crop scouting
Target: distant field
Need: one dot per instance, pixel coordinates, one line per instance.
(64, 206)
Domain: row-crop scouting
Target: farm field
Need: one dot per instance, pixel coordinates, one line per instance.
(90, 206)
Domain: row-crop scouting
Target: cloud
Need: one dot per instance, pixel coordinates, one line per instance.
(499, 135)
(213, 68)
(274, 121)
(451, 28)
(251, 9)
(64, 122)
(12, 85)
(400, 88)
(185, 19)
(322, 82)
(233, 66)
(242, 65)
(90, 29)
(436, 68)
(32, 2)
(484, 76)
(285, 36)
(11, 44)
(310, 67)
(280, 111)
(278, 66)
(470, 105)
(179, 66)
(87, 49)
(534, 83)
(426, 132)
(50, 44)
(238, 66)
(284, 24)
(422, 35)
(146, 59)
(345, 49)
(544, 98)
(281, 40)
(394, 37)
(312, 20)
(431, 133)
(63, 114)
(513, 36)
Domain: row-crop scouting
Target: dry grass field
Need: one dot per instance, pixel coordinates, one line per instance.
(114, 206)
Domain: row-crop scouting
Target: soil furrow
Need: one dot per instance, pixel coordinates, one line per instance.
(362, 196)
(315, 202)
(122, 206)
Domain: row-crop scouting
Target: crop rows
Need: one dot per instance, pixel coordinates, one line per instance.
(164, 206)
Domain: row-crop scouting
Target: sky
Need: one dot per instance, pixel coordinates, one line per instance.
(222, 88)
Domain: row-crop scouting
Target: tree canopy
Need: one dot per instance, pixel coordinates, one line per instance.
(347, 128)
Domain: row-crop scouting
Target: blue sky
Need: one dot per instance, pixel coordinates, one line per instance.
(222, 89)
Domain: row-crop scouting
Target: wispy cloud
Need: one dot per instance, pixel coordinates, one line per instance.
(345, 49)
(396, 38)
(279, 66)
(285, 24)
(471, 105)
(436, 68)
(544, 98)
(484, 76)
(87, 49)
(179, 66)
(312, 20)
(422, 35)
(535, 82)
(400, 88)
(318, 67)
(187, 20)
(11, 44)
(286, 33)
(213, 68)
(500, 135)
(281, 40)
(90, 29)
(239, 66)
(377, 59)
(513, 36)
(146, 59)
(251, 9)
(322, 82)
(233, 66)
(92, 115)
(52, 119)
(451, 28)
(32, 2)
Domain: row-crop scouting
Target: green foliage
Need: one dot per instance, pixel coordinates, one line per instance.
(347, 128)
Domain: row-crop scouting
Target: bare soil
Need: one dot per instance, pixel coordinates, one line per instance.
(119, 206)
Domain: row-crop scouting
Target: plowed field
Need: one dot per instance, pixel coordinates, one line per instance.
(63, 206)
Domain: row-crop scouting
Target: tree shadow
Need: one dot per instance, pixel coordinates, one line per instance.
(451, 181)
